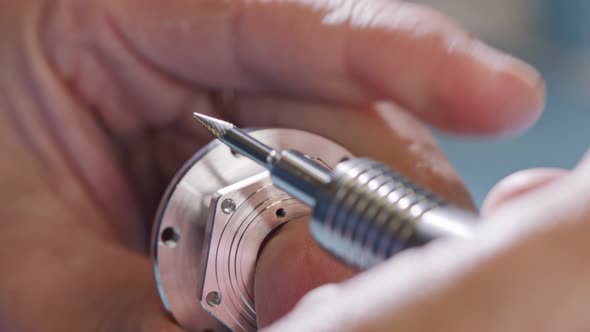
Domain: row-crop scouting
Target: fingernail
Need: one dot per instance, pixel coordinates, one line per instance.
(518, 87)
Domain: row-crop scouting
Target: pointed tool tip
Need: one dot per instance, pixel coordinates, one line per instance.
(215, 126)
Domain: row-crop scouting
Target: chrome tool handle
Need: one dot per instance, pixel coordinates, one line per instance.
(369, 212)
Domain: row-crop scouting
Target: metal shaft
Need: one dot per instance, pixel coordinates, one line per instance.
(363, 211)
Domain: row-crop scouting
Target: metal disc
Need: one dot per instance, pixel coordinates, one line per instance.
(180, 226)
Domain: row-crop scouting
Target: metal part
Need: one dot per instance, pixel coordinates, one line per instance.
(369, 213)
(364, 212)
(240, 218)
(210, 225)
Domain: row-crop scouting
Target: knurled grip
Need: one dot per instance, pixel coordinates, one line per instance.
(369, 212)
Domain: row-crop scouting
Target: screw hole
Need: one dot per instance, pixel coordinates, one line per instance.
(213, 299)
(228, 206)
(170, 237)
(345, 158)
(281, 213)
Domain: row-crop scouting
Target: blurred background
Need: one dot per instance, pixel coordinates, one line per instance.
(553, 35)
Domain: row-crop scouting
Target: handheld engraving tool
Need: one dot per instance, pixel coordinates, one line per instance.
(363, 211)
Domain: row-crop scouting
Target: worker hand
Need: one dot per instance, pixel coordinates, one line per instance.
(95, 116)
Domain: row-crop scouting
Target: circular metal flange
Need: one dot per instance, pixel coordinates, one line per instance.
(210, 225)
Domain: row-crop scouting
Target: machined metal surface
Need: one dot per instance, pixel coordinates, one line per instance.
(211, 223)
(369, 213)
(240, 218)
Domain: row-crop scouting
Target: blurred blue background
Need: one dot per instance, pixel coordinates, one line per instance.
(553, 35)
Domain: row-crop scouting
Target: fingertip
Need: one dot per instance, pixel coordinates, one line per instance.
(518, 184)
(429, 65)
(487, 92)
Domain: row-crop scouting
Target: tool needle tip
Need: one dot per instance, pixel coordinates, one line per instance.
(215, 126)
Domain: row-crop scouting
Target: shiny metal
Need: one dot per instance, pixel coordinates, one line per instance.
(369, 213)
(215, 126)
(235, 240)
(303, 175)
(363, 211)
(225, 201)
(235, 138)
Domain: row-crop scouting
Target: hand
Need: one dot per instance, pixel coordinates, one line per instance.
(95, 104)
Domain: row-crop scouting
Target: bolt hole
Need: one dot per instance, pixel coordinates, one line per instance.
(281, 213)
(345, 158)
(228, 206)
(170, 237)
(213, 299)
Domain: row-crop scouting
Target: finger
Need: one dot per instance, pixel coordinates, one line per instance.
(343, 51)
(518, 184)
(534, 250)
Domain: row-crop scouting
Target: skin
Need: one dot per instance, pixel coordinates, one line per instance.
(95, 104)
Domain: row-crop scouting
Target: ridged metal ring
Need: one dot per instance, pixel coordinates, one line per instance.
(375, 208)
